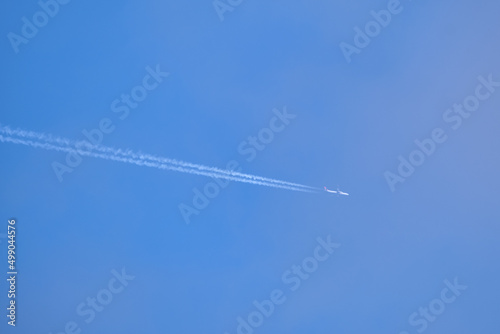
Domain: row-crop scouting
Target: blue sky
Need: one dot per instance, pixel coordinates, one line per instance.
(353, 120)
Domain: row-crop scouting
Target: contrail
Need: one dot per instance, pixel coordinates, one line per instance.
(139, 162)
(147, 157)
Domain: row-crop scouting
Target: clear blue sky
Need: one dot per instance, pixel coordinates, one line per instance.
(353, 120)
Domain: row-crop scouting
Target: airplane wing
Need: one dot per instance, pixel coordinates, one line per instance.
(330, 191)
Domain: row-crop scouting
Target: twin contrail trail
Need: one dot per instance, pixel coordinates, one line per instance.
(84, 148)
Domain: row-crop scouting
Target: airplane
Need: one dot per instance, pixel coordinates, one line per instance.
(338, 192)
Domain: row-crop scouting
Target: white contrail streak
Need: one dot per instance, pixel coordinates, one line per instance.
(139, 162)
(144, 157)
